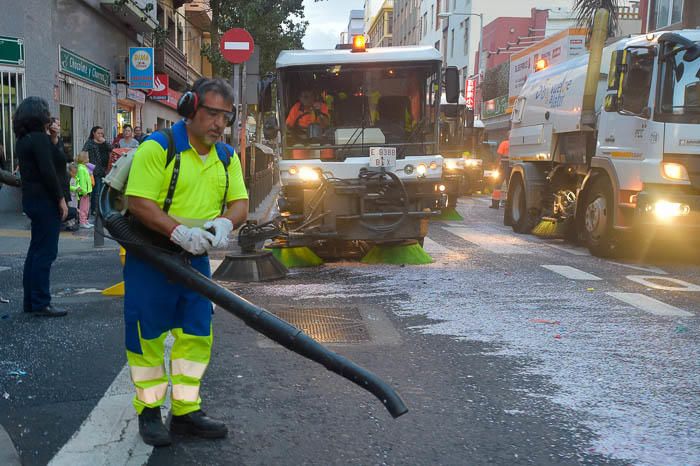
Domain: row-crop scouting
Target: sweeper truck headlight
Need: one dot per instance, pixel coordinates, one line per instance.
(454, 164)
(665, 210)
(473, 163)
(674, 171)
(308, 174)
(421, 169)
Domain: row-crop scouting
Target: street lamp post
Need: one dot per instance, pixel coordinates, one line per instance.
(481, 37)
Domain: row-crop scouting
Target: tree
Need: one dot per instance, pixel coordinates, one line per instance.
(274, 24)
(585, 12)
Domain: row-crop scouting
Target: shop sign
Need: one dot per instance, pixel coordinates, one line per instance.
(173, 97)
(469, 93)
(11, 51)
(136, 95)
(141, 67)
(495, 107)
(161, 85)
(73, 64)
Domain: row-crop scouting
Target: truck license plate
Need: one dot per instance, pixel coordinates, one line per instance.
(382, 157)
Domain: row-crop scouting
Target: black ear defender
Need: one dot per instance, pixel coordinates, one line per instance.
(188, 103)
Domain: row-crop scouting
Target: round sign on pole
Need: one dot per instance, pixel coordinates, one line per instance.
(236, 45)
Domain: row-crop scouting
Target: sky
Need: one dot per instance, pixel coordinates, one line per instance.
(326, 20)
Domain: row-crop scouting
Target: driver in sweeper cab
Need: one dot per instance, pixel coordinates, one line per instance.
(306, 111)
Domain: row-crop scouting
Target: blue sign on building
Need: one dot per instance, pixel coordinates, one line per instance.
(141, 67)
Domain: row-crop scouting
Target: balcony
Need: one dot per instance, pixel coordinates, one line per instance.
(131, 14)
(199, 14)
(171, 61)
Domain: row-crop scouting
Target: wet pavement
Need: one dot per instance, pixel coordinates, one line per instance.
(508, 349)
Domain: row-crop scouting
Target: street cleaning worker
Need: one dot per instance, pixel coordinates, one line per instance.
(196, 213)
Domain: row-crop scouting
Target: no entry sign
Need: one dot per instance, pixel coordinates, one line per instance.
(236, 45)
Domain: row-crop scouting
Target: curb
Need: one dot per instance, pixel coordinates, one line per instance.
(8, 452)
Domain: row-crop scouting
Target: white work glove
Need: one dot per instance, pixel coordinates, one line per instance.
(222, 228)
(193, 240)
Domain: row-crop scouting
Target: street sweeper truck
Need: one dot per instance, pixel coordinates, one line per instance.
(359, 145)
(604, 147)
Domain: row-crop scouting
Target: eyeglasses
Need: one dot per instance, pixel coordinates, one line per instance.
(215, 112)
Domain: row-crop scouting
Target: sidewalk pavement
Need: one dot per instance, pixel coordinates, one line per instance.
(15, 235)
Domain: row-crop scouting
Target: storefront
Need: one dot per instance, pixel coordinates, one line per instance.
(130, 104)
(85, 98)
(12, 91)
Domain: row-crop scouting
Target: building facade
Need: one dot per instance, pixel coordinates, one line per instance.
(666, 15)
(74, 54)
(356, 26)
(380, 27)
(407, 22)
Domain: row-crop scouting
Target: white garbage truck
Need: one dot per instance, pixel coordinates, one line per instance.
(607, 149)
(359, 144)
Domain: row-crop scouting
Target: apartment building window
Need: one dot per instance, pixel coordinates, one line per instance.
(424, 26)
(432, 15)
(668, 12)
(466, 38)
(437, 19)
(452, 45)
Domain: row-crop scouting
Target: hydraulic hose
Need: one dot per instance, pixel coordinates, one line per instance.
(253, 316)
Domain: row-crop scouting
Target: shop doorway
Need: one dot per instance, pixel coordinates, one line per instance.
(67, 134)
(11, 94)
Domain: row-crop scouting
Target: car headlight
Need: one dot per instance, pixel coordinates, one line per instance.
(674, 171)
(308, 174)
(421, 169)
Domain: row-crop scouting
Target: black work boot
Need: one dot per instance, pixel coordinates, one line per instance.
(151, 428)
(199, 424)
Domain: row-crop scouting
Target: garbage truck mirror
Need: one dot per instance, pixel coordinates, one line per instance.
(452, 84)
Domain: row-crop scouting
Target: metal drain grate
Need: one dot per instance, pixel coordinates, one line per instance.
(328, 325)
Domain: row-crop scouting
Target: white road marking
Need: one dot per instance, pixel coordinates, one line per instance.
(492, 241)
(652, 282)
(647, 268)
(651, 305)
(214, 264)
(236, 45)
(432, 247)
(574, 251)
(110, 433)
(456, 225)
(571, 272)
(2, 269)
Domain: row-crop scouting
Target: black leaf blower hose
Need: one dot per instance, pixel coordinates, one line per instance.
(253, 316)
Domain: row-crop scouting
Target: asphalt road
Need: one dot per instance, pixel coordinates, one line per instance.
(508, 349)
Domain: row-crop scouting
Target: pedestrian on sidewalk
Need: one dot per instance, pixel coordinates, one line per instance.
(98, 149)
(209, 194)
(84, 189)
(43, 201)
(128, 141)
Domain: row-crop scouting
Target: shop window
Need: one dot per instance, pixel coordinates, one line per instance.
(11, 94)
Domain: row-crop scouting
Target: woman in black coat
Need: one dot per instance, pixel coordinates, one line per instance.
(43, 201)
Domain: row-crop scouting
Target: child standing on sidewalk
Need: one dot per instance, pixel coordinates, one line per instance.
(84, 182)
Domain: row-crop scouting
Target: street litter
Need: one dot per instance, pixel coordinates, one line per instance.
(545, 321)
(17, 372)
(4, 301)
(681, 329)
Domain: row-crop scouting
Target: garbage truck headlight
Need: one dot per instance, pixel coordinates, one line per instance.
(421, 169)
(308, 174)
(674, 171)
(665, 210)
